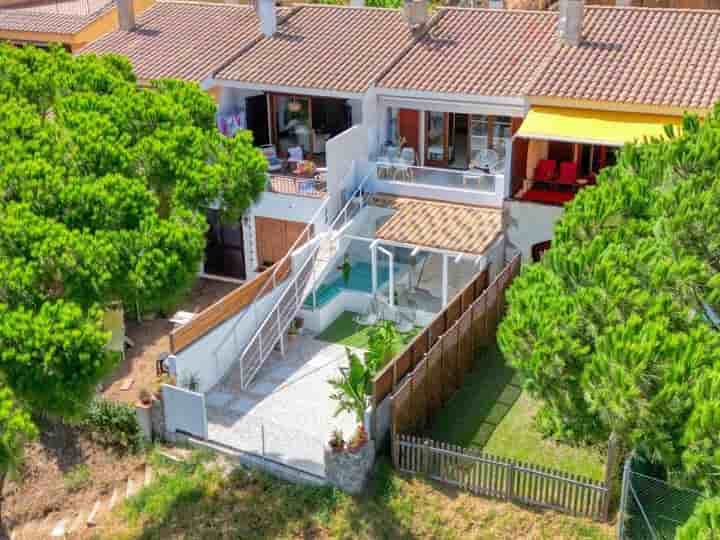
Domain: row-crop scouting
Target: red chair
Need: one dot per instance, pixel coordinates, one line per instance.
(545, 170)
(568, 173)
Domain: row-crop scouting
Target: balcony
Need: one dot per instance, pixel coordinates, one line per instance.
(288, 184)
(475, 180)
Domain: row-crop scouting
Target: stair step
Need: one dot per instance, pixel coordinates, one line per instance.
(148, 475)
(59, 529)
(77, 523)
(130, 488)
(113, 499)
(91, 520)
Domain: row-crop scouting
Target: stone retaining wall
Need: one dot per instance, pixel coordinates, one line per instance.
(349, 471)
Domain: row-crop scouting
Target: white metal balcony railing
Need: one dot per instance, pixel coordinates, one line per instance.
(294, 185)
(249, 357)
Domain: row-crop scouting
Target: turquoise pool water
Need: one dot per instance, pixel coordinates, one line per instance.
(360, 280)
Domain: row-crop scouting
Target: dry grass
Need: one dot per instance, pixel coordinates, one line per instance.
(200, 502)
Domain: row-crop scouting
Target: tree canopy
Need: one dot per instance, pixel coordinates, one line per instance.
(104, 187)
(612, 328)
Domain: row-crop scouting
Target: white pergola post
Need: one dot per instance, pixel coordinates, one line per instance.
(391, 277)
(373, 264)
(445, 279)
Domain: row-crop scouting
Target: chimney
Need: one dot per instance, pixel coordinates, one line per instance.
(570, 21)
(623, 3)
(357, 3)
(268, 17)
(495, 4)
(126, 14)
(416, 12)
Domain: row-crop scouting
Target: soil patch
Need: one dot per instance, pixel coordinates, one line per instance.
(63, 470)
(150, 338)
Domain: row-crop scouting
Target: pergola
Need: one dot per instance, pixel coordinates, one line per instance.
(454, 231)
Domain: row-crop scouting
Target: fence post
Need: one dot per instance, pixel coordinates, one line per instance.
(510, 480)
(627, 470)
(611, 467)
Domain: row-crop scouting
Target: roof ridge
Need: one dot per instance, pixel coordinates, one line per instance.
(407, 48)
(344, 6)
(658, 9)
(495, 10)
(201, 3)
(281, 20)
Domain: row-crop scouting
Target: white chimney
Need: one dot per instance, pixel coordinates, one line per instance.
(570, 21)
(357, 3)
(126, 14)
(495, 4)
(268, 16)
(623, 3)
(416, 12)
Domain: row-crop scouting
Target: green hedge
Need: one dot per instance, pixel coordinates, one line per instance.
(114, 424)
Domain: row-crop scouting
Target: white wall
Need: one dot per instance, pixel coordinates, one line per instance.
(231, 97)
(342, 150)
(184, 411)
(531, 223)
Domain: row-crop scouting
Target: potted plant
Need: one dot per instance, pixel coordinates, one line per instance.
(346, 268)
(337, 443)
(145, 397)
(358, 440)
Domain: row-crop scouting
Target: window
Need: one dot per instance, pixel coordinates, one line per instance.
(393, 127)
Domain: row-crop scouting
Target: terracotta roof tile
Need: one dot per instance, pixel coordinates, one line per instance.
(182, 40)
(453, 227)
(486, 52)
(662, 57)
(334, 48)
(68, 17)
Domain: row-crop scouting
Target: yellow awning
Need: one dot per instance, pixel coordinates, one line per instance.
(592, 127)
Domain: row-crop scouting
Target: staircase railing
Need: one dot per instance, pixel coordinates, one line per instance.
(266, 333)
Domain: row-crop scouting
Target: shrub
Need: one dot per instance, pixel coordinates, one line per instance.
(704, 523)
(115, 423)
(76, 478)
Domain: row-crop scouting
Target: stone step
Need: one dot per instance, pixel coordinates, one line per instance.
(77, 523)
(113, 499)
(148, 475)
(59, 529)
(92, 518)
(130, 488)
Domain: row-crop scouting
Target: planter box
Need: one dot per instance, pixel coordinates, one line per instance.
(349, 471)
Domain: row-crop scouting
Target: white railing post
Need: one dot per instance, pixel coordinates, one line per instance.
(280, 332)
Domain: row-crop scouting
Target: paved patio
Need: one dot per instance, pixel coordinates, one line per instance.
(287, 414)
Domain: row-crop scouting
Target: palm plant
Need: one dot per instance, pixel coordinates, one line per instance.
(352, 387)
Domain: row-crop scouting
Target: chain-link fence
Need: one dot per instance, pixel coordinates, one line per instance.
(652, 509)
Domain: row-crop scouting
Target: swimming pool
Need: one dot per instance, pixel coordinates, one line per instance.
(360, 280)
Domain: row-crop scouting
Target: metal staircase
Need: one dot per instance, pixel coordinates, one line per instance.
(301, 283)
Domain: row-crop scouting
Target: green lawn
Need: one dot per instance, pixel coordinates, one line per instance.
(491, 412)
(345, 331)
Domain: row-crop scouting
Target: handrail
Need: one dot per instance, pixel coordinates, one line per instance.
(273, 277)
(277, 266)
(276, 307)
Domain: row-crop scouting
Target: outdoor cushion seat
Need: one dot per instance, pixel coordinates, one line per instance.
(274, 163)
(545, 170)
(568, 173)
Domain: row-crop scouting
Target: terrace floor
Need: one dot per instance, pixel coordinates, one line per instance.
(287, 414)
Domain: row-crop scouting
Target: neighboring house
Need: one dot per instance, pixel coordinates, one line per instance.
(71, 23)
(494, 107)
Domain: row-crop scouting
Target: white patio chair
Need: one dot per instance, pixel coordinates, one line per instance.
(270, 153)
(404, 166)
(295, 154)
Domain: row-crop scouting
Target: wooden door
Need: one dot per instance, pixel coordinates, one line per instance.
(275, 237)
(409, 127)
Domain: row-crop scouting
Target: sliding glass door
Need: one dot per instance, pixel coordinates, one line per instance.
(293, 126)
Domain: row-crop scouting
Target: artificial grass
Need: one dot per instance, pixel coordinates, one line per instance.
(492, 413)
(345, 331)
